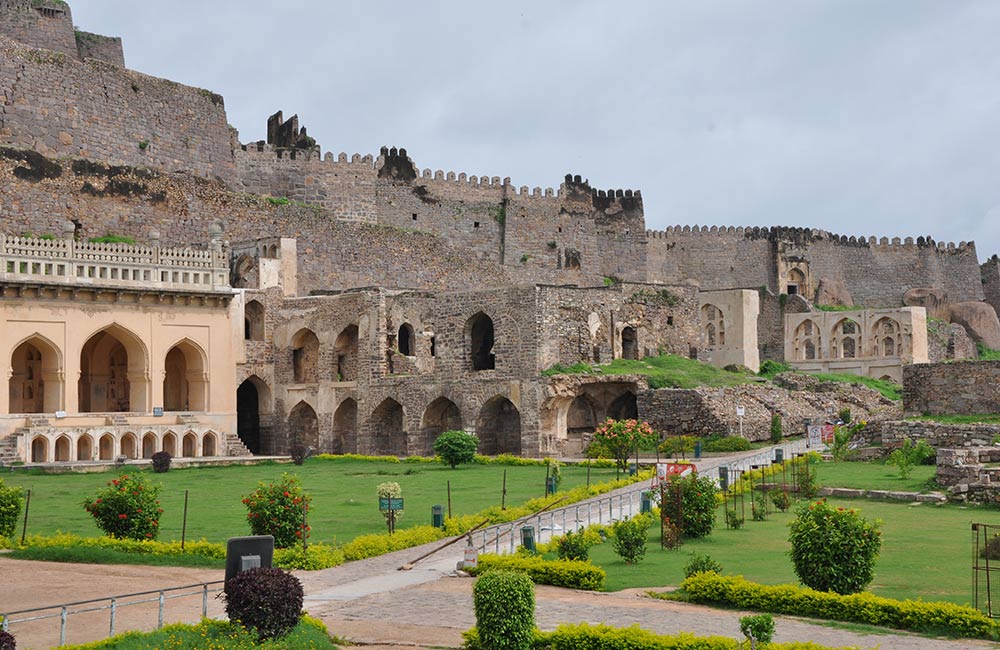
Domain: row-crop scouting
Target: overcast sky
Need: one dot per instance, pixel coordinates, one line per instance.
(861, 117)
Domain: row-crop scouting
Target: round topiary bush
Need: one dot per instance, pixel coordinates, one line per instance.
(267, 601)
(456, 447)
(504, 602)
(127, 508)
(7, 641)
(834, 549)
(161, 462)
(10, 509)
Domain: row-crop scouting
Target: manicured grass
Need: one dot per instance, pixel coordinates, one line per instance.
(982, 418)
(666, 371)
(214, 635)
(344, 498)
(872, 476)
(889, 390)
(91, 555)
(926, 551)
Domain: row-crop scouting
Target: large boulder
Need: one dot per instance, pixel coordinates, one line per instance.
(980, 320)
(931, 298)
(833, 292)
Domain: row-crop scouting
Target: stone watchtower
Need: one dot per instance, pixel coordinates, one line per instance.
(48, 24)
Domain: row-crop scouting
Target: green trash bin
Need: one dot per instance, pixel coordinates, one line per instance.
(437, 516)
(779, 455)
(632, 469)
(697, 449)
(724, 478)
(550, 485)
(528, 538)
(646, 505)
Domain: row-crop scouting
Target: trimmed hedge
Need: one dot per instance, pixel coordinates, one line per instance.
(915, 615)
(603, 637)
(219, 635)
(367, 546)
(573, 574)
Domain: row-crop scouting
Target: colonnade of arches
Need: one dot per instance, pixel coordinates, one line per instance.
(847, 340)
(114, 375)
(67, 446)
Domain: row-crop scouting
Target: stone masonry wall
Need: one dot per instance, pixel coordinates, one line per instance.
(959, 388)
(103, 48)
(990, 274)
(47, 24)
(60, 106)
(892, 433)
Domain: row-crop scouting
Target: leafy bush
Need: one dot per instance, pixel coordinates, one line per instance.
(7, 641)
(619, 438)
(504, 602)
(734, 520)
(278, 509)
(217, 635)
(630, 538)
(758, 507)
(757, 629)
(127, 508)
(701, 563)
(992, 548)
(776, 432)
(806, 483)
(674, 446)
(390, 490)
(915, 615)
(573, 546)
(367, 546)
(161, 462)
(268, 601)
(10, 509)
(770, 369)
(456, 447)
(313, 558)
(698, 503)
(726, 444)
(844, 415)
(833, 549)
(908, 455)
(571, 574)
(112, 239)
(781, 500)
(299, 453)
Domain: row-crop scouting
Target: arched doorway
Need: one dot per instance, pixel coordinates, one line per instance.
(305, 357)
(40, 450)
(480, 337)
(148, 445)
(130, 447)
(114, 372)
(498, 427)
(189, 445)
(440, 415)
(106, 447)
(36, 384)
(405, 341)
(185, 384)
(253, 321)
(580, 418)
(209, 446)
(170, 443)
(248, 411)
(630, 343)
(387, 429)
(345, 427)
(63, 447)
(303, 426)
(624, 407)
(85, 448)
(345, 351)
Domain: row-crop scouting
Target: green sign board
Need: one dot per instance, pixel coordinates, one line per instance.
(385, 504)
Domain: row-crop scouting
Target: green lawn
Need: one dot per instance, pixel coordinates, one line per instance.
(344, 498)
(926, 551)
(982, 418)
(666, 371)
(872, 476)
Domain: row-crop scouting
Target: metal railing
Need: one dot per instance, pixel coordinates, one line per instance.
(113, 604)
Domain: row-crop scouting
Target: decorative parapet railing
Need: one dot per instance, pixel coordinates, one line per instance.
(123, 266)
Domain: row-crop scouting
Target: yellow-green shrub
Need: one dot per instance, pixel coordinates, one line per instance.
(367, 546)
(601, 637)
(316, 557)
(201, 547)
(916, 615)
(573, 574)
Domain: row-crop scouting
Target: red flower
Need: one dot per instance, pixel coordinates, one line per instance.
(123, 516)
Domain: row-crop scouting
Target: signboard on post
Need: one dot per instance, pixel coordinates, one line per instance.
(386, 504)
(471, 560)
(828, 433)
(740, 411)
(815, 432)
(665, 470)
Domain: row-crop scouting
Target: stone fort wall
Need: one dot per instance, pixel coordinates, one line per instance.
(877, 271)
(958, 388)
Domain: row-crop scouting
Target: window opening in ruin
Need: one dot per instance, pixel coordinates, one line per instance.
(888, 341)
(433, 346)
(35, 381)
(806, 341)
(39, 450)
(670, 320)
(625, 407)
(796, 281)
(346, 350)
(714, 333)
(630, 344)
(303, 426)
(846, 342)
(405, 340)
(498, 427)
(440, 415)
(345, 428)
(481, 341)
(305, 357)
(248, 416)
(254, 321)
(414, 216)
(388, 433)
(475, 224)
(109, 363)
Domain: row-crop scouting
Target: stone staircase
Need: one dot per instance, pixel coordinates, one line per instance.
(8, 447)
(235, 446)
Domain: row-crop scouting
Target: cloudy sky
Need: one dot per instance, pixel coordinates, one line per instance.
(863, 117)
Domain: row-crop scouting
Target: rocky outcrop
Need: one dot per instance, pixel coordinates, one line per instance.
(934, 300)
(833, 292)
(980, 320)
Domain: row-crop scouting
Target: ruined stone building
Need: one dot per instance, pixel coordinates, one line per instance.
(277, 293)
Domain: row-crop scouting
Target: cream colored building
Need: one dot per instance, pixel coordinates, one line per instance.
(729, 327)
(870, 342)
(116, 350)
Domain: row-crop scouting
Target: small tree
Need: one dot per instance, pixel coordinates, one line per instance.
(10, 509)
(504, 602)
(776, 432)
(697, 507)
(701, 564)
(620, 438)
(758, 629)
(279, 509)
(456, 447)
(843, 435)
(630, 538)
(834, 549)
(390, 490)
(674, 446)
(127, 508)
(905, 457)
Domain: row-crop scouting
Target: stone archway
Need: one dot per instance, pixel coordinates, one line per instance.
(388, 429)
(630, 343)
(440, 415)
(129, 446)
(185, 381)
(253, 321)
(149, 445)
(624, 407)
(498, 427)
(303, 426)
(345, 427)
(36, 382)
(114, 372)
(85, 448)
(39, 449)
(305, 357)
(252, 396)
(345, 351)
(481, 340)
(106, 447)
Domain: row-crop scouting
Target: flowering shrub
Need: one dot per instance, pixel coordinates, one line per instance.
(697, 507)
(127, 508)
(279, 509)
(10, 509)
(619, 438)
(834, 549)
(390, 490)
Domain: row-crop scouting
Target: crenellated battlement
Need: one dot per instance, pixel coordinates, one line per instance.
(811, 234)
(262, 152)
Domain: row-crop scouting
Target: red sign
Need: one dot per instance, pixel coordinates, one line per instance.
(665, 470)
(827, 433)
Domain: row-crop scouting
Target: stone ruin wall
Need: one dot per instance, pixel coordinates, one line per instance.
(990, 274)
(60, 106)
(958, 388)
(49, 26)
(876, 271)
(332, 253)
